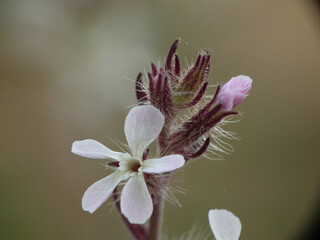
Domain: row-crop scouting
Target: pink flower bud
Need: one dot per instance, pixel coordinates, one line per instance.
(234, 92)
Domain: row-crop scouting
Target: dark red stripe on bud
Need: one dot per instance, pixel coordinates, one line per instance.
(159, 81)
(211, 122)
(154, 69)
(218, 118)
(208, 106)
(205, 113)
(177, 65)
(151, 82)
(113, 164)
(197, 75)
(160, 91)
(197, 98)
(145, 154)
(192, 130)
(172, 51)
(140, 91)
(200, 151)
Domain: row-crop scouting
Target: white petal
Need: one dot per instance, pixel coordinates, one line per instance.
(92, 149)
(143, 125)
(100, 191)
(136, 202)
(164, 164)
(224, 224)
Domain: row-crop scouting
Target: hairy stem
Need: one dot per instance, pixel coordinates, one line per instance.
(156, 220)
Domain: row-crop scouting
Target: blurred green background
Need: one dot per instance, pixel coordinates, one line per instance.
(65, 70)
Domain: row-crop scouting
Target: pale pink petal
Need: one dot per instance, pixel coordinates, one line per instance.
(234, 92)
(92, 149)
(224, 224)
(100, 191)
(226, 99)
(136, 202)
(143, 125)
(238, 98)
(164, 164)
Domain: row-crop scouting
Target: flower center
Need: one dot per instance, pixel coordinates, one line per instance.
(130, 164)
(135, 166)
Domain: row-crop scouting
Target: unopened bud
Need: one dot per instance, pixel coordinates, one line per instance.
(234, 92)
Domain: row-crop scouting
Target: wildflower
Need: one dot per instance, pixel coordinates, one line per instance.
(224, 224)
(234, 92)
(142, 126)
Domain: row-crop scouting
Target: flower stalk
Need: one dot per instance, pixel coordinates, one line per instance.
(156, 220)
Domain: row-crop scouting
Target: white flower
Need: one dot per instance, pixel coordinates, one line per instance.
(142, 126)
(224, 224)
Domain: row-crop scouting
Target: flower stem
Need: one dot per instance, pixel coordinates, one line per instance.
(156, 220)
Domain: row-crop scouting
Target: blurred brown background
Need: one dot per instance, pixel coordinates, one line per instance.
(64, 70)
